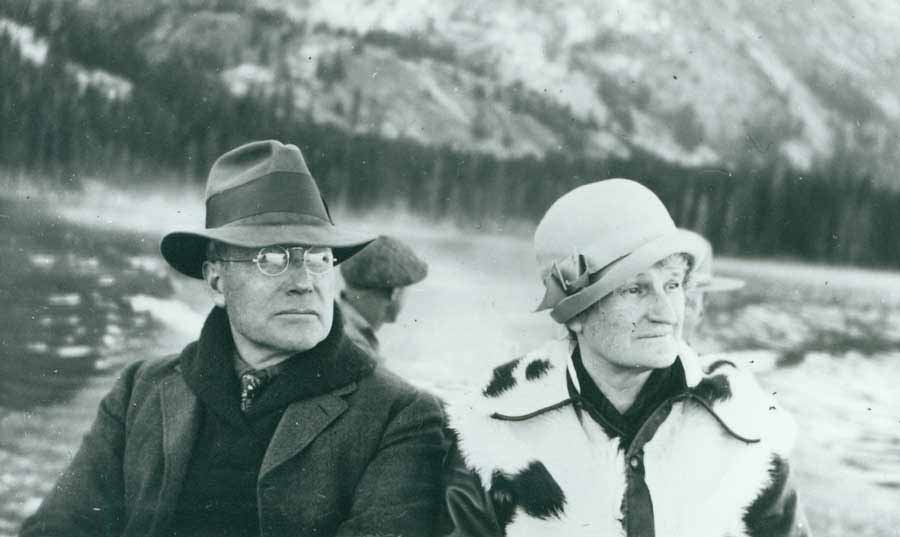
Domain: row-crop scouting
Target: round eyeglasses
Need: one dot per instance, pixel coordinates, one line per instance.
(275, 260)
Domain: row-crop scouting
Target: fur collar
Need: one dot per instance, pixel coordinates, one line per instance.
(549, 473)
(536, 383)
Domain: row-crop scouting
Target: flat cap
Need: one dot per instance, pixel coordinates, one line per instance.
(383, 264)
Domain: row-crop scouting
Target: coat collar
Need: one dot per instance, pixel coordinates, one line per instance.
(303, 420)
(301, 423)
(537, 383)
(180, 423)
(209, 370)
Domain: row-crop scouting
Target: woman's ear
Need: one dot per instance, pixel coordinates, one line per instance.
(215, 282)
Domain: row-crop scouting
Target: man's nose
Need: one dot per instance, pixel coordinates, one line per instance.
(299, 279)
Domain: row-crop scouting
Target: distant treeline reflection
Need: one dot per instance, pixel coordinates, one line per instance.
(179, 117)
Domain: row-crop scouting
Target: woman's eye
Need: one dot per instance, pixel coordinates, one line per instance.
(673, 286)
(633, 290)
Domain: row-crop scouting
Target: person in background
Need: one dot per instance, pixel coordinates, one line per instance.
(702, 281)
(611, 431)
(272, 422)
(375, 283)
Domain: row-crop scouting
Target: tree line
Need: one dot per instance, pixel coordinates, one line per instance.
(177, 119)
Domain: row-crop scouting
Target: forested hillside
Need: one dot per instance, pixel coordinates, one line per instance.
(427, 117)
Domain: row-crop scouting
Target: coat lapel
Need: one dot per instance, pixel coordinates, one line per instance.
(180, 416)
(301, 423)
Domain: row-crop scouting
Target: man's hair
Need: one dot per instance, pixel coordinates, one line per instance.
(214, 250)
(217, 250)
(383, 292)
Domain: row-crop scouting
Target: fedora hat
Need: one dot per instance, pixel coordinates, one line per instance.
(612, 230)
(260, 194)
(703, 278)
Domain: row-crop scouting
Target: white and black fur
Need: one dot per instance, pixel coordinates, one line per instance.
(548, 472)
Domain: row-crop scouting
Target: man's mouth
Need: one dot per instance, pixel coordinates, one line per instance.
(298, 311)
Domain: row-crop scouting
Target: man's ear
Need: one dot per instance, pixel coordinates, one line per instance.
(212, 274)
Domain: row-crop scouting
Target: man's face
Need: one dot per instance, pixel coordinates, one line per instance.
(394, 305)
(288, 313)
(636, 326)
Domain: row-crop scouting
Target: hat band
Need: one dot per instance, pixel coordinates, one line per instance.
(617, 272)
(290, 192)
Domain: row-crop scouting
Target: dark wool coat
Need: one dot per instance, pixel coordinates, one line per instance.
(363, 459)
(713, 459)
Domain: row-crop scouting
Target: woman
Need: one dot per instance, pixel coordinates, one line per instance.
(613, 431)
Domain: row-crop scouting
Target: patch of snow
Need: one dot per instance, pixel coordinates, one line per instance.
(37, 347)
(33, 48)
(67, 299)
(110, 86)
(42, 261)
(74, 351)
(175, 314)
(802, 101)
(157, 211)
(247, 76)
(798, 153)
(30, 505)
(658, 139)
(889, 104)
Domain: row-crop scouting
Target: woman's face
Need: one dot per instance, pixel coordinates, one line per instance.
(637, 325)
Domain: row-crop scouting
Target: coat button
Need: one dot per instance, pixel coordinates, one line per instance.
(634, 462)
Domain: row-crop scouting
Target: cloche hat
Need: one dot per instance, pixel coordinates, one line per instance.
(615, 229)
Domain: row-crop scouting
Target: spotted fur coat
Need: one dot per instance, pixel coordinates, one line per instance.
(547, 472)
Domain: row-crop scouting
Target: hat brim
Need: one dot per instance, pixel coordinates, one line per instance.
(719, 284)
(620, 270)
(185, 251)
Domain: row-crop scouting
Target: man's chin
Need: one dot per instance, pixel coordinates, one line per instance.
(296, 346)
(293, 343)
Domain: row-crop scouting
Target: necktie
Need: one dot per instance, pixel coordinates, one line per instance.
(251, 384)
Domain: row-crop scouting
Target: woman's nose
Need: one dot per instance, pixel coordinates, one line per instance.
(662, 310)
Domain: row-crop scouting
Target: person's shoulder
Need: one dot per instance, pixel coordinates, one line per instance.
(144, 373)
(385, 384)
(517, 392)
(737, 397)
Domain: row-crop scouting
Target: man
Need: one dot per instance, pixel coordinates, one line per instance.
(702, 281)
(375, 282)
(272, 423)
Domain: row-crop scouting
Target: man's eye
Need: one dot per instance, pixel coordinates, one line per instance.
(633, 290)
(672, 286)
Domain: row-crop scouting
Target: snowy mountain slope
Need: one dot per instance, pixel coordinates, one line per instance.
(714, 83)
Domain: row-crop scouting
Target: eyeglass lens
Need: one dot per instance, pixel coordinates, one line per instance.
(273, 260)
